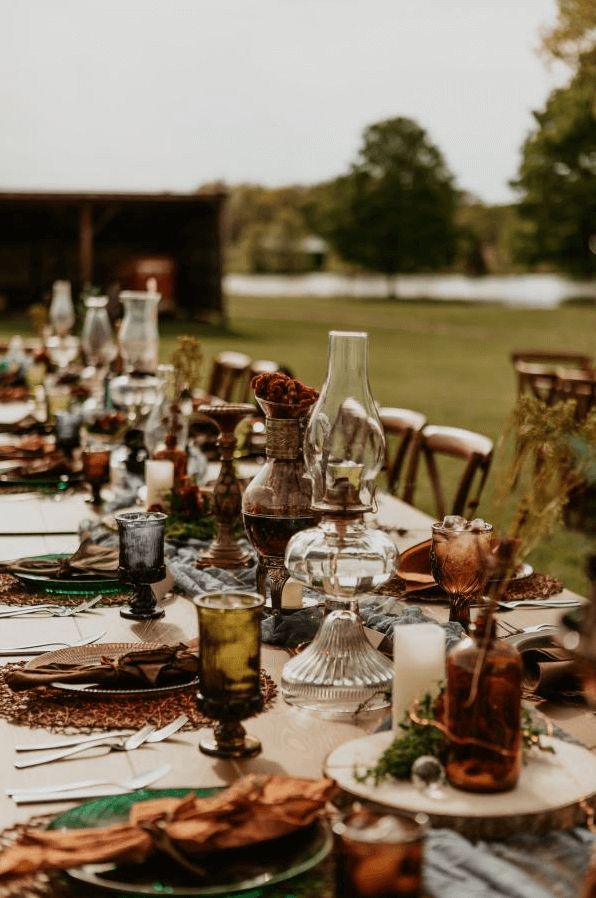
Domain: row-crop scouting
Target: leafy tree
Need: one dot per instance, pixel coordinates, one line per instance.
(574, 32)
(557, 178)
(394, 209)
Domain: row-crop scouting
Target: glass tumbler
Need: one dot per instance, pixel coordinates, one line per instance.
(379, 854)
(229, 668)
(141, 560)
(459, 564)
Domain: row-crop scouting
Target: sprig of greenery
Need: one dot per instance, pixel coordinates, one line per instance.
(417, 740)
(531, 735)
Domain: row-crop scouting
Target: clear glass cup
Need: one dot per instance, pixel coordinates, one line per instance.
(459, 563)
(378, 854)
(58, 399)
(138, 336)
(62, 314)
(62, 349)
(97, 336)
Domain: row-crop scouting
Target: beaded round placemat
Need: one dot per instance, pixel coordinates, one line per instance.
(14, 593)
(536, 586)
(61, 712)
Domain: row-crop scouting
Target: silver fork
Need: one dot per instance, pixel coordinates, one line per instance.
(540, 603)
(156, 736)
(88, 788)
(41, 647)
(53, 610)
(147, 734)
(128, 743)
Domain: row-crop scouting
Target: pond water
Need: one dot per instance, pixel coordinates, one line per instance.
(540, 291)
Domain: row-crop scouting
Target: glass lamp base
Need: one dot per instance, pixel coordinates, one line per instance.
(339, 673)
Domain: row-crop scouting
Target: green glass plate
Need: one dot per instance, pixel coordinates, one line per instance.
(229, 872)
(82, 586)
(57, 482)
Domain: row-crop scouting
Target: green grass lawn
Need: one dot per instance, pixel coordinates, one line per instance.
(448, 360)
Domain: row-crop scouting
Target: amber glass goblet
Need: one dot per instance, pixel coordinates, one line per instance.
(96, 470)
(141, 560)
(229, 665)
(379, 854)
(458, 559)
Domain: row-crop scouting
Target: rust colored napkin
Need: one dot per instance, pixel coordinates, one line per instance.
(162, 666)
(53, 463)
(90, 560)
(254, 809)
(414, 568)
(27, 447)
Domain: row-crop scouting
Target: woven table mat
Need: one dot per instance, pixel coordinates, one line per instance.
(12, 592)
(317, 883)
(61, 712)
(536, 586)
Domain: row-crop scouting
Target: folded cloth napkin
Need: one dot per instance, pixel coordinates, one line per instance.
(89, 561)
(413, 568)
(548, 670)
(54, 463)
(254, 809)
(27, 447)
(161, 666)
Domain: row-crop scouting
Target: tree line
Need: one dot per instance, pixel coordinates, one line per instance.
(398, 208)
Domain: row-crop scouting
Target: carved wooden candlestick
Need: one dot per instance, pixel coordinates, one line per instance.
(224, 551)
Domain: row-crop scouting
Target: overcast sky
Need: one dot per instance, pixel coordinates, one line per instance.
(165, 94)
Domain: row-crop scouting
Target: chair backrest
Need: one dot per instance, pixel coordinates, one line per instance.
(402, 424)
(537, 371)
(536, 379)
(579, 386)
(259, 366)
(472, 448)
(229, 374)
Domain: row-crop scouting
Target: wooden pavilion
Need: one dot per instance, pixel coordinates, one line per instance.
(96, 238)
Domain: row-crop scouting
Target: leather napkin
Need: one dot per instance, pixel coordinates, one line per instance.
(254, 809)
(548, 670)
(161, 666)
(89, 561)
(414, 568)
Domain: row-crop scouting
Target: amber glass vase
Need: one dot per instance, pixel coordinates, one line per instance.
(483, 712)
(277, 502)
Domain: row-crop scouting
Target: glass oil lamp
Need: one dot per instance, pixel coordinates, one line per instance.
(229, 667)
(141, 561)
(340, 672)
(96, 469)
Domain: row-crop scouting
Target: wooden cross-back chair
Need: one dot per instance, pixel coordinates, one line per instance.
(229, 374)
(537, 371)
(402, 424)
(474, 449)
(579, 386)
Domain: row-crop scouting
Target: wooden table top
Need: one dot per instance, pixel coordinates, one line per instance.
(294, 741)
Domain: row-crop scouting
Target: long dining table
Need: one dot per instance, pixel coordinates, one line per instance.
(294, 742)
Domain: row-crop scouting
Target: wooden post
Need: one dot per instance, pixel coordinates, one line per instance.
(86, 244)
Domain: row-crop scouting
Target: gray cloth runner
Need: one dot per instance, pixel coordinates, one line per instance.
(522, 867)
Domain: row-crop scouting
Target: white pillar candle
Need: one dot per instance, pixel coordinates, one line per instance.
(159, 477)
(291, 596)
(419, 665)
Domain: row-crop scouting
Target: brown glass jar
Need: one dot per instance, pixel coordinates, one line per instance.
(483, 719)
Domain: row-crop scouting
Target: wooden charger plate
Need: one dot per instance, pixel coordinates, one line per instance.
(552, 793)
(91, 654)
